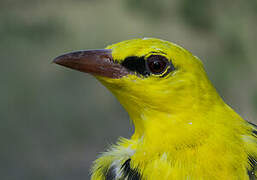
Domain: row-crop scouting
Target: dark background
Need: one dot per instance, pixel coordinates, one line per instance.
(54, 121)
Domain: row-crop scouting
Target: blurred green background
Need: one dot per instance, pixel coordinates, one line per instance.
(54, 121)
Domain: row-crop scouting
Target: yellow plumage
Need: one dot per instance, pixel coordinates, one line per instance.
(183, 129)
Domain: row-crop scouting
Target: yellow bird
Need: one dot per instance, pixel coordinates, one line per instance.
(183, 128)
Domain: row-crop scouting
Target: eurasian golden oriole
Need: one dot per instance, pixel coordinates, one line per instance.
(183, 128)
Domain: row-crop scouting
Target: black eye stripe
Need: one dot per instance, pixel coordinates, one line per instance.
(138, 65)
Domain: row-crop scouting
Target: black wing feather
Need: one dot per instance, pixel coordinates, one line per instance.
(252, 160)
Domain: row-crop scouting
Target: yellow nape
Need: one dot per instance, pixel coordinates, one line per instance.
(183, 129)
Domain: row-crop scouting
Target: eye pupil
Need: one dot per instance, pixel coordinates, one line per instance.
(157, 64)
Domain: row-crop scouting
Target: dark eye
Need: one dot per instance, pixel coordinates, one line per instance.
(157, 64)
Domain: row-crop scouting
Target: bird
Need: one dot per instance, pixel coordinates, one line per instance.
(183, 129)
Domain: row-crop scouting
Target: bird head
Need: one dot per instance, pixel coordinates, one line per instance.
(153, 79)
